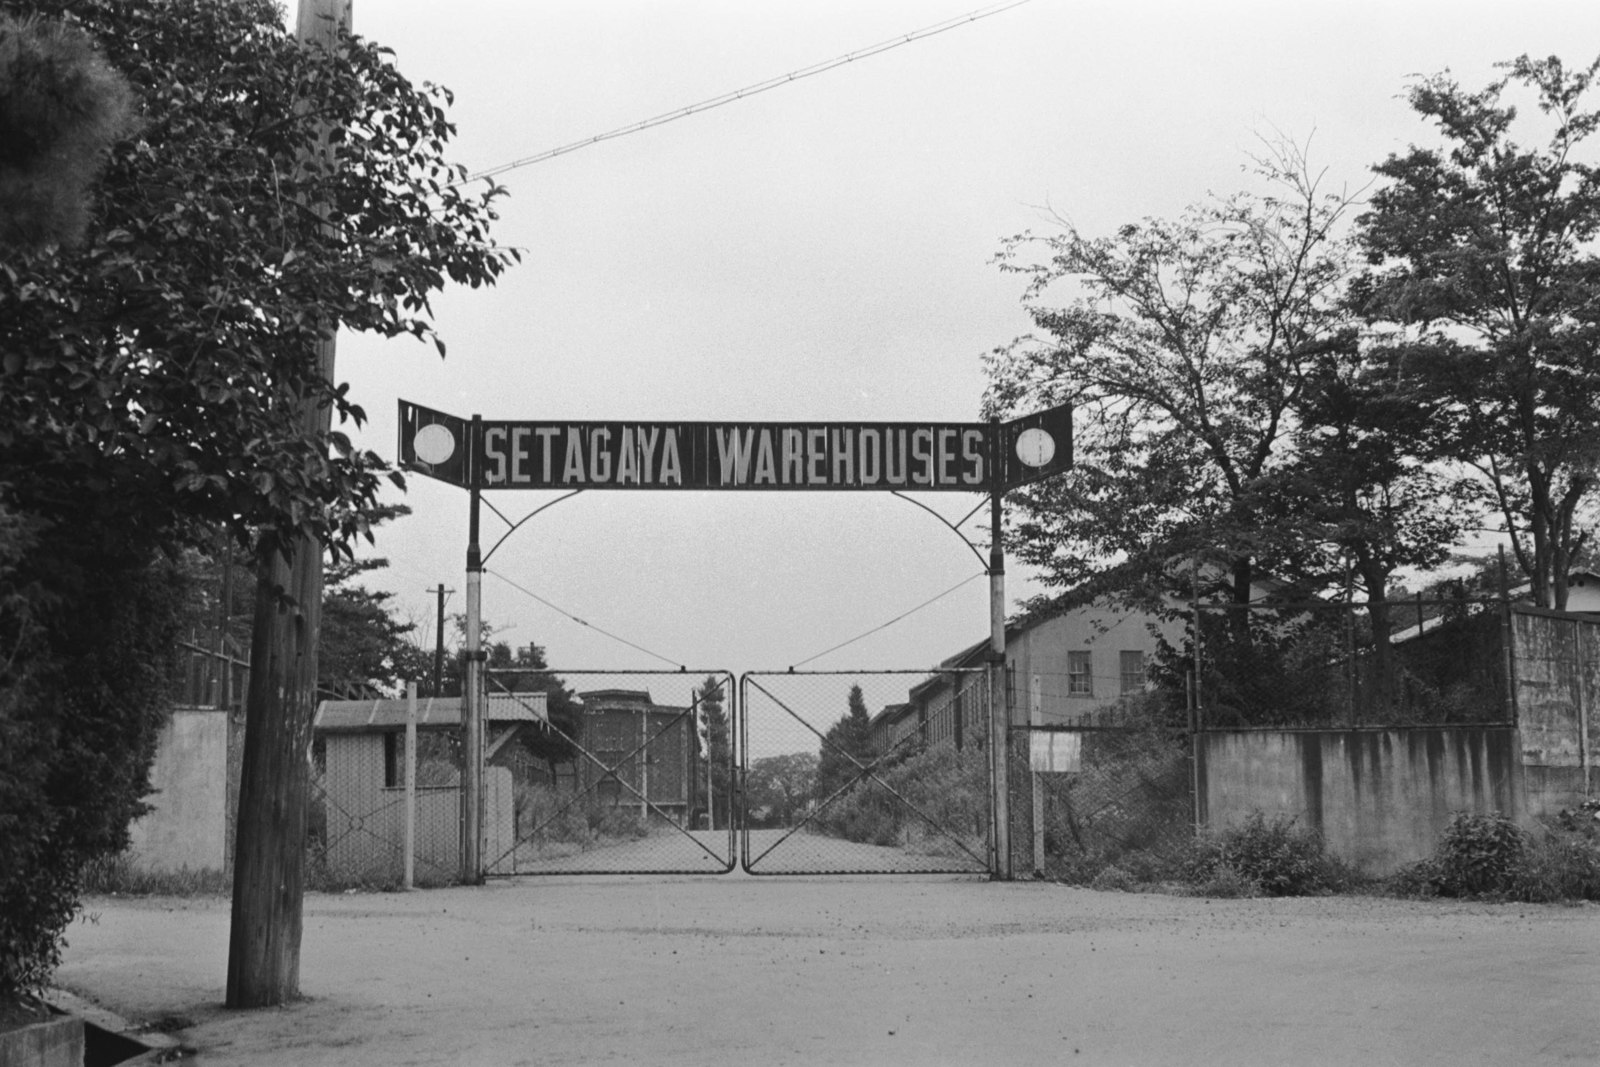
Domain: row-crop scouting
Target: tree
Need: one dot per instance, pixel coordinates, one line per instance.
(1361, 497)
(780, 786)
(559, 744)
(718, 748)
(846, 747)
(1182, 347)
(362, 647)
(62, 107)
(153, 377)
(1483, 265)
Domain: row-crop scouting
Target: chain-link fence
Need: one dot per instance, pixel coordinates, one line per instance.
(1114, 796)
(1397, 663)
(865, 772)
(359, 818)
(628, 772)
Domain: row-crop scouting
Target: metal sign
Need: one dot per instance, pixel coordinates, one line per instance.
(907, 456)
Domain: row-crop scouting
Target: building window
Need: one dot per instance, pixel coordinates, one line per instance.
(1133, 672)
(1080, 683)
(393, 760)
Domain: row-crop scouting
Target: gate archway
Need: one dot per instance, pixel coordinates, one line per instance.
(479, 455)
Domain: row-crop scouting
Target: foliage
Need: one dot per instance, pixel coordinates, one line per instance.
(717, 746)
(1128, 804)
(152, 379)
(62, 106)
(1277, 858)
(115, 875)
(846, 747)
(1560, 867)
(551, 820)
(81, 706)
(1489, 855)
(779, 787)
(1182, 347)
(560, 743)
(1362, 494)
(1485, 269)
(942, 793)
(362, 647)
(156, 370)
(1480, 854)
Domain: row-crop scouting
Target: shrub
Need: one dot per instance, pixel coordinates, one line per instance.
(1227, 883)
(1481, 855)
(83, 696)
(1491, 856)
(1559, 867)
(1113, 879)
(1277, 857)
(950, 788)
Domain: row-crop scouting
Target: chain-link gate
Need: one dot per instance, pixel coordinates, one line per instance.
(623, 772)
(871, 772)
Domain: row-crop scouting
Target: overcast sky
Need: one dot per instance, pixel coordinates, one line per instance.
(824, 251)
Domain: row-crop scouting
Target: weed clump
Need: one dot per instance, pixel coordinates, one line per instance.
(1276, 858)
(1489, 856)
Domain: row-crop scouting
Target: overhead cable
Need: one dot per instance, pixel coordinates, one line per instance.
(581, 622)
(891, 622)
(750, 90)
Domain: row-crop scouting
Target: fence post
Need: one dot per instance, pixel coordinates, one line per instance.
(1508, 631)
(1585, 700)
(999, 710)
(1036, 718)
(411, 784)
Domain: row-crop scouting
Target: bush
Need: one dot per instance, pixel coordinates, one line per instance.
(83, 694)
(949, 788)
(1557, 868)
(1491, 856)
(1277, 858)
(1113, 879)
(1480, 855)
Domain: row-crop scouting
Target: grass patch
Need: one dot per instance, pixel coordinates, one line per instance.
(116, 875)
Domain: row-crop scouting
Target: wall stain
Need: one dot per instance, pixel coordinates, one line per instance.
(1311, 774)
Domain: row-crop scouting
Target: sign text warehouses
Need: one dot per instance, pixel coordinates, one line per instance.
(621, 455)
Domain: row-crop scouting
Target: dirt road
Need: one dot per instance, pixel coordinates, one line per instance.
(741, 970)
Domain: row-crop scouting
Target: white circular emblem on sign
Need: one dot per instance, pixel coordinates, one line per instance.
(1035, 447)
(434, 444)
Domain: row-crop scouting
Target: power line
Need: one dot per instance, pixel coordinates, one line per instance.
(750, 90)
(891, 622)
(582, 622)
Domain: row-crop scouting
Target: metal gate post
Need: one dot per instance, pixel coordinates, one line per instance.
(472, 683)
(999, 712)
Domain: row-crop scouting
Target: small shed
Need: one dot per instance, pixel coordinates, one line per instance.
(362, 775)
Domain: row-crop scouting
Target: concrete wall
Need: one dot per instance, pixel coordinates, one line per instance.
(188, 827)
(1381, 797)
(1556, 658)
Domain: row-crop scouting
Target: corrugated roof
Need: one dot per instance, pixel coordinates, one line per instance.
(433, 713)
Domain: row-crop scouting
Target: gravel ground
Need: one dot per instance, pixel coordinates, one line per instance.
(901, 970)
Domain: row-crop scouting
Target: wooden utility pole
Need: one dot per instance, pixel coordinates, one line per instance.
(269, 860)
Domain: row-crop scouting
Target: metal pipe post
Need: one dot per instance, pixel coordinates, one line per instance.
(999, 713)
(411, 785)
(472, 684)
